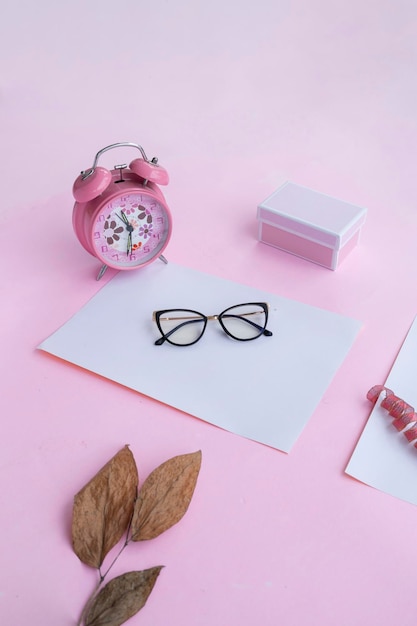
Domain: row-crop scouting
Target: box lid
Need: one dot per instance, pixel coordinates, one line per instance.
(311, 214)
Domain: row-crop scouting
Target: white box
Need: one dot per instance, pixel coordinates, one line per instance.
(310, 224)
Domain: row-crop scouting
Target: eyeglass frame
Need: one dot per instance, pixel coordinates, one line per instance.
(156, 316)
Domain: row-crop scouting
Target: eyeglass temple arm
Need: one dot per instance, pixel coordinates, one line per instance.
(177, 317)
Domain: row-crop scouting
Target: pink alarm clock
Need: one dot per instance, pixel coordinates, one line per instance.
(120, 216)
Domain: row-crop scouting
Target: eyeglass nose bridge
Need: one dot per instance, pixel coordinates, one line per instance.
(212, 317)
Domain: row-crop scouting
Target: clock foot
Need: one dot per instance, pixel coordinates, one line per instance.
(161, 256)
(101, 272)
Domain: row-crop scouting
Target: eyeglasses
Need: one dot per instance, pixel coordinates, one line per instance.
(184, 327)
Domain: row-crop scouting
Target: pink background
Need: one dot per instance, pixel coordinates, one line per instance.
(234, 98)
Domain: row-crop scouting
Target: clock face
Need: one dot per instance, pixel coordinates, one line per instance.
(130, 230)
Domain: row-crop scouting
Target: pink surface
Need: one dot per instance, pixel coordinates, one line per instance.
(233, 101)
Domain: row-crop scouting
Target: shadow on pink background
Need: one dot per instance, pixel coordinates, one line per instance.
(234, 98)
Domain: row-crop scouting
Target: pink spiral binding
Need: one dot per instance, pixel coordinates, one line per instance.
(405, 418)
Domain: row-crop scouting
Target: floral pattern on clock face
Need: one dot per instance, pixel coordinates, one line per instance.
(130, 230)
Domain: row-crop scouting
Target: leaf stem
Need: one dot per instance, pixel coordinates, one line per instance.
(103, 576)
(126, 543)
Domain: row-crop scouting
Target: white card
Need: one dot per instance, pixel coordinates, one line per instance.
(383, 458)
(264, 390)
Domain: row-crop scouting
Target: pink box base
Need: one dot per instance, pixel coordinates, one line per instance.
(305, 249)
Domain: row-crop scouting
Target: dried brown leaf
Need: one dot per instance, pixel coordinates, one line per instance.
(103, 508)
(122, 598)
(165, 496)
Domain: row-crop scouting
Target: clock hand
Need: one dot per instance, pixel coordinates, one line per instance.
(129, 242)
(129, 229)
(123, 218)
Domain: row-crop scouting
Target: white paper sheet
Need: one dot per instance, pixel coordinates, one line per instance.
(264, 390)
(383, 458)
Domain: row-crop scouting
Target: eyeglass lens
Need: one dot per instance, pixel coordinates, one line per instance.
(244, 321)
(182, 327)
